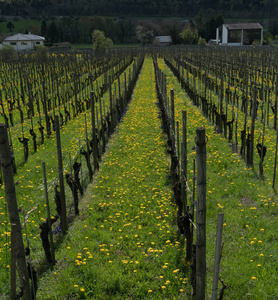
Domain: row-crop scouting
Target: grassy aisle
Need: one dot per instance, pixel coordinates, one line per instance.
(123, 245)
(250, 253)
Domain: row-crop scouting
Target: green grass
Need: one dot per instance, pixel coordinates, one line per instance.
(30, 189)
(21, 26)
(249, 258)
(131, 190)
(124, 245)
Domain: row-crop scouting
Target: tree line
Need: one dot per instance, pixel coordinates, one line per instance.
(230, 8)
(123, 30)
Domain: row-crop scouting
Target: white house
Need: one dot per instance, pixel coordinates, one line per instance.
(239, 34)
(162, 40)
(24, 42)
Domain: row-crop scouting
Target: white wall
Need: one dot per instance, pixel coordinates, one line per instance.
(23, 46)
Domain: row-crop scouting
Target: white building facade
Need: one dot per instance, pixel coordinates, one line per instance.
(239, 34)
(24, 42)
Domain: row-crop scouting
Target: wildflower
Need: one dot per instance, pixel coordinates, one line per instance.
(254, 278)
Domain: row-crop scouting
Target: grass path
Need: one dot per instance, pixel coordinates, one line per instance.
(123, 245)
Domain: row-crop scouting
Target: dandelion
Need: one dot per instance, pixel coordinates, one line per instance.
(254, 278)
(82, 290)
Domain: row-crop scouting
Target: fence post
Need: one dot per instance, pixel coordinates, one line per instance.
(251, 141)
(61, 178)
(275, 160)
(95, 148)
(217, 255)
(48, 214)
(17, 240)
(201, 214)
(184, 161)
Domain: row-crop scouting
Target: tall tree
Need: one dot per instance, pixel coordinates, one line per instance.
(53, 35)
(100, 41)
(43, 28)
(10, 26)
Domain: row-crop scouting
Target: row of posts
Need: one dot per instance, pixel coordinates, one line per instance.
(18, 261)
(196, 254)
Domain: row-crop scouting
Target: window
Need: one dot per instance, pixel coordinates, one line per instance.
(13, 43)
(234, 36)
(24, 43)
(38, 43)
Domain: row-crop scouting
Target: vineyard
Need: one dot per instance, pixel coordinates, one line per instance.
(114, 182)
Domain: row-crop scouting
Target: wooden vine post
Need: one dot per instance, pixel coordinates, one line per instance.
(250, 155)
(217, 255)
(95, 148)
(201, 214)
(17, 246)
(52, 250)
(173, 116)
(184, 166)
(64, 220)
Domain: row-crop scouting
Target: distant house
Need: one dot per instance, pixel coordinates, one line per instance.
(239, 34)
(163, 40)
(24, 42)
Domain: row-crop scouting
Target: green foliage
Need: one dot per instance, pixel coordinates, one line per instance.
(41, 53)
(7, 53)
(267, 38)
(100, 41)
(207, 27)
(189, 36)
(202, 41)
(144, 35)
(10, 26)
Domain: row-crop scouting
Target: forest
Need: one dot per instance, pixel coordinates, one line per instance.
(188, 8)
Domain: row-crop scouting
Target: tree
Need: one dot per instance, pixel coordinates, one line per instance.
(189, 35)
(7, 53)
(202, 41)
(212, 25)
(145, 36)
(10, 26)
(100, 41)
(43, 28)
(53, 33)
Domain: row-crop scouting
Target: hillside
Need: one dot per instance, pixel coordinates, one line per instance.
(190, 8)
